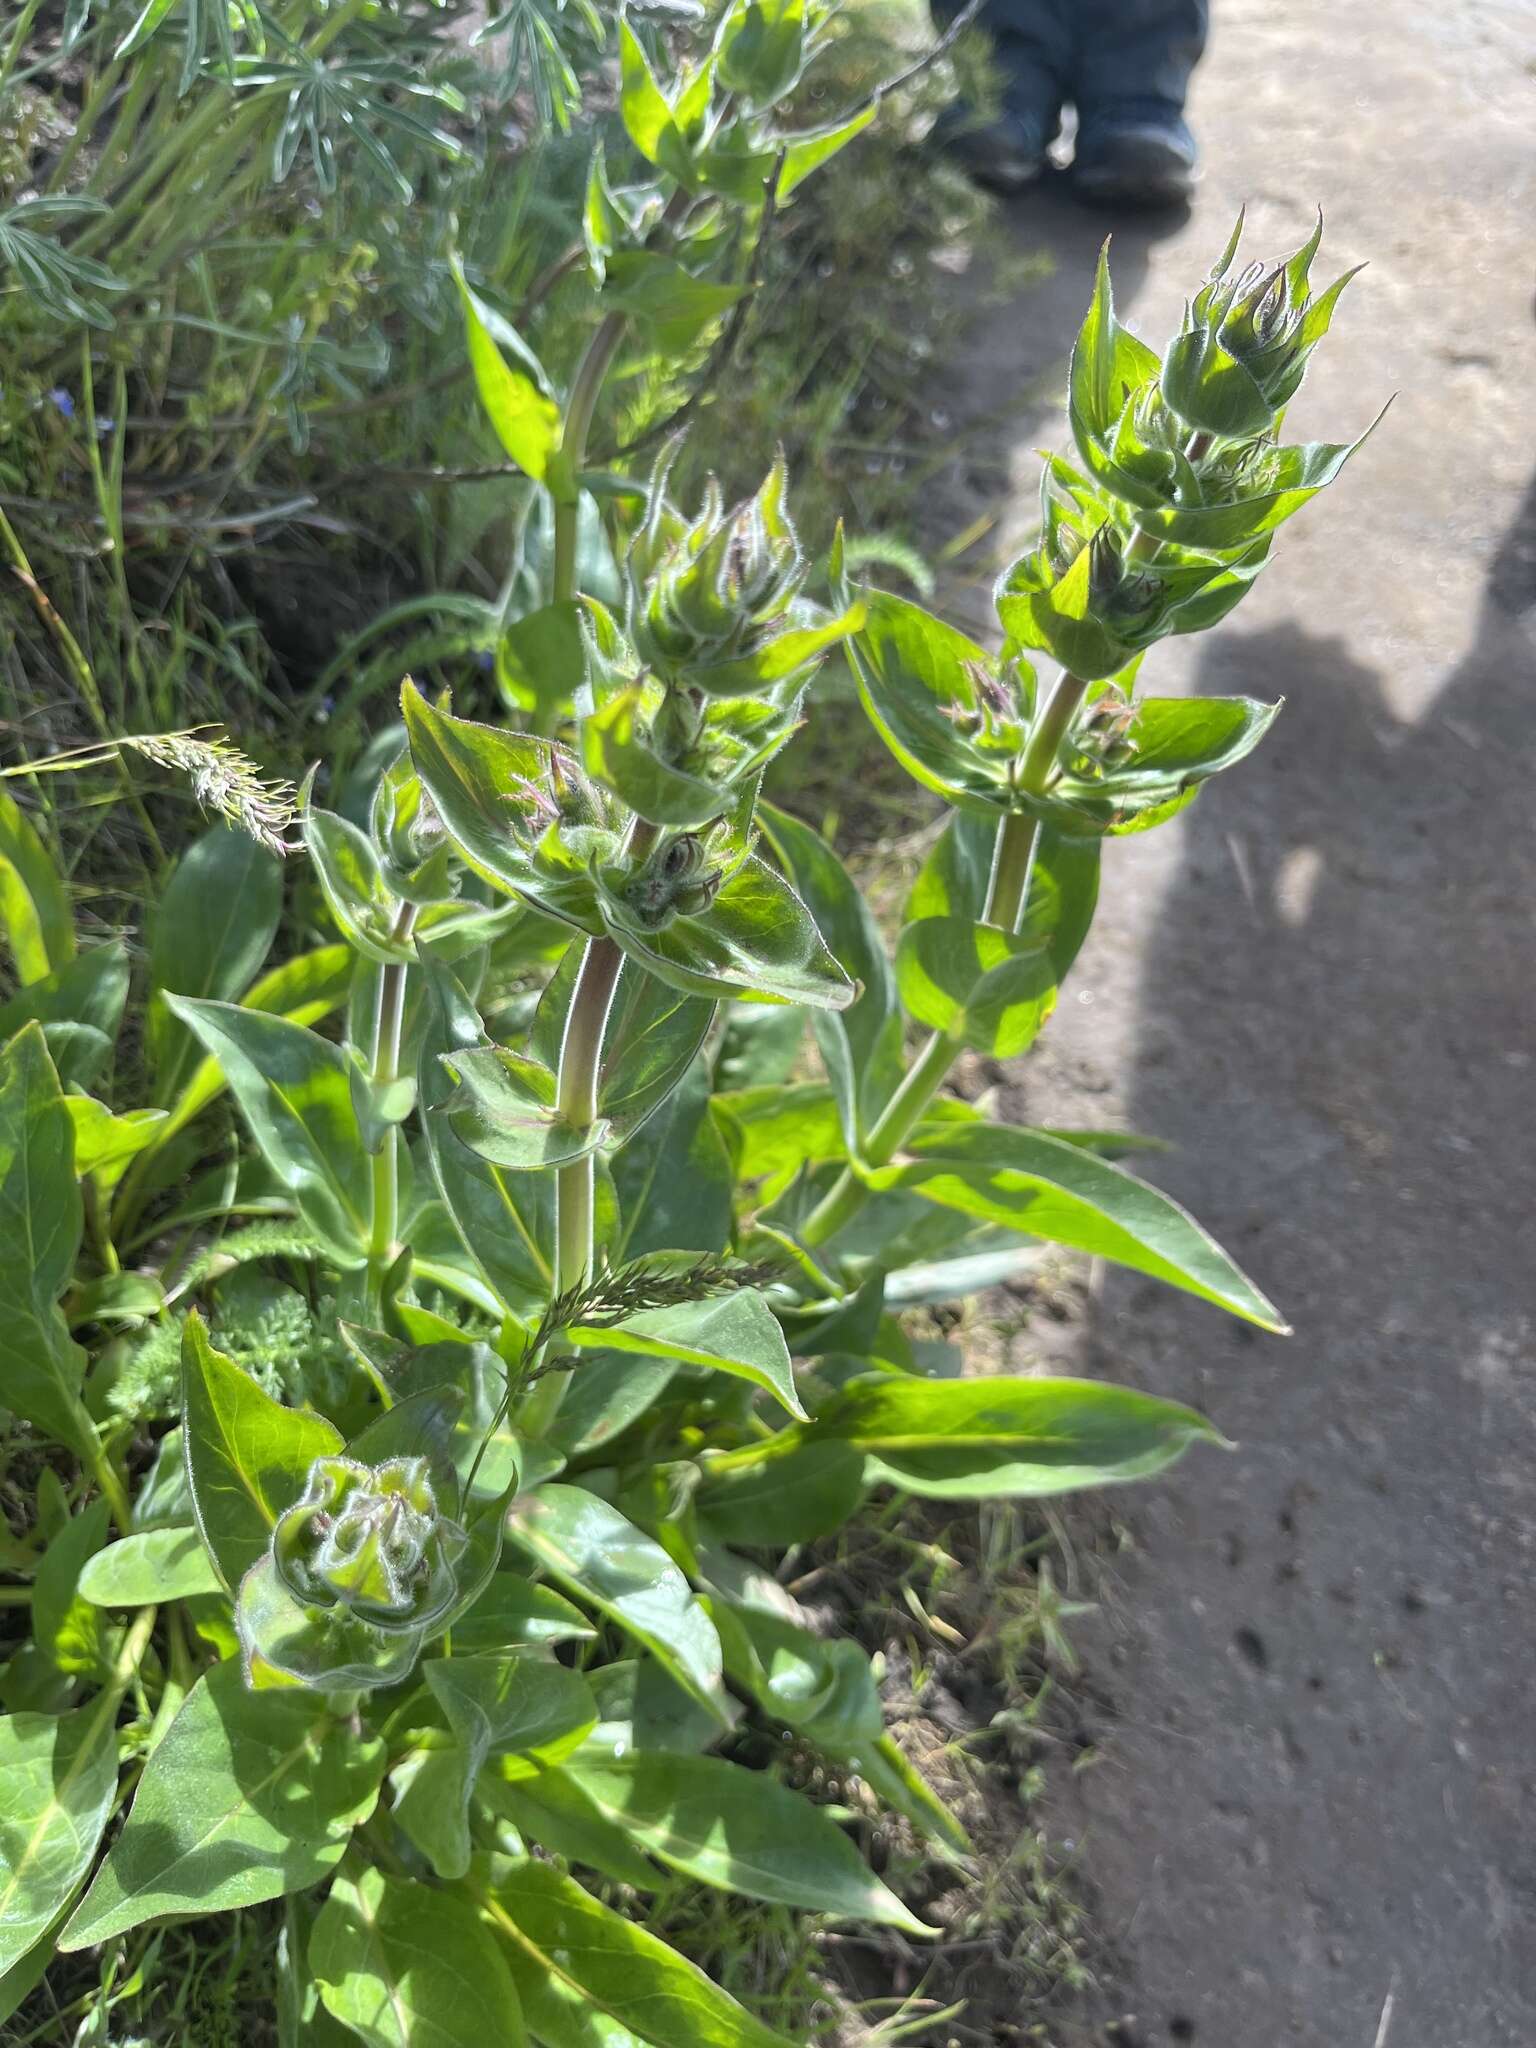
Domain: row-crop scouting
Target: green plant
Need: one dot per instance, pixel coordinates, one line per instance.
(615, 1269)
(263, 442)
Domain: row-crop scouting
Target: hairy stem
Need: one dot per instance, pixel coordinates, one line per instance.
(384, 1069)
(1007, 894)
(580, 410)
(595, 365)
(576, 1182)
(581, 1058)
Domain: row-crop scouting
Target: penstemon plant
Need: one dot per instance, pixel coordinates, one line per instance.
(612, 1270)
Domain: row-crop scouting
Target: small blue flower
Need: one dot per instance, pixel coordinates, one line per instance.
(63, 401)
(485, 660)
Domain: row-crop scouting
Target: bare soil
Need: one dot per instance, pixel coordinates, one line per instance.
(1311, 1680)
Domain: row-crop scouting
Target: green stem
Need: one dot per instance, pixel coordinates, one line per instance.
(575, 1182)
(579, 411)
(109, 1479)
(1007, 894)
(384, 1069)
(595, 365)
(18, 38)
(581, 1057)
(580, 1072)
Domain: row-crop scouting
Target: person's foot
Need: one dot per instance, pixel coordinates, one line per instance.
(1133, 160)
(1004, 155)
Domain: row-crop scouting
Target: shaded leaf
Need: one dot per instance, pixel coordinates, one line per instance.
(146, 1568)
(408, 1966)
(249, 1796)
(572, 1958)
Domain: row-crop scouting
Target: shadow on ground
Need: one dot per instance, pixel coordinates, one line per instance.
(1339, 980)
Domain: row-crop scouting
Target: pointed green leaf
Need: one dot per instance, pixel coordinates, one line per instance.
(478, 777)
(913, 670)
(515, 394)
(41, 1218)
(968, 1439)
(810, 149)
(1108, 365)
(732, 1333)
(58, 1777)
(861, 1044)
(573, 1958)
(739, 1830)
(294, 1093)
(526, 1712)
(756, 939)
(408, 1966)
(512, 1613)
(35, 913)
(147, 1568)
(602, 1559)
(248, 1457)
(646, 114)
(992, 988)
(1059, 1192)
(67, 1631)
(303, 990)
(505, 1220)
(249, 1796)
(80, 1007)
(212, 930)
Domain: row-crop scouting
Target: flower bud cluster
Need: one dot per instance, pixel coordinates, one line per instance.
(679, 879)
(369, 1540)
(710, 593)
(1242, 351)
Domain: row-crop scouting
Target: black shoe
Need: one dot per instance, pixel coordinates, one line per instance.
(1141, 161)
(1004, 155)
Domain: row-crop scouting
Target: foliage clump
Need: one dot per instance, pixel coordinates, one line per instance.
(447, 1630)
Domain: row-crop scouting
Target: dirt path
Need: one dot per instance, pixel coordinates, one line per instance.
(1314, 1824)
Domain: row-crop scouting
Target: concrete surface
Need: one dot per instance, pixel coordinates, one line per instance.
(1313, 1679)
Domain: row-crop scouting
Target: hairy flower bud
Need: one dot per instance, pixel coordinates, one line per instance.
(715, 602)
(1245, 342)
(368, 1539)
(678, 880)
